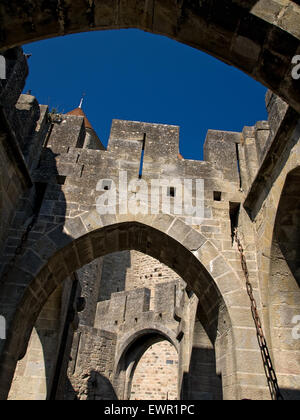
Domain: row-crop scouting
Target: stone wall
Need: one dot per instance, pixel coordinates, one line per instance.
(276, 221)
(11, 188)
(156, 375)
(23, 126)
(131, 270)
(201, 382)
(35, 372)
(91, 367)
(90, 280)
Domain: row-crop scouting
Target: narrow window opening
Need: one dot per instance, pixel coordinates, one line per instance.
(142, 158)
(217, 196)
(238, 164)
(125, 309)
(82, 169)
(234, 209)
(171, 192)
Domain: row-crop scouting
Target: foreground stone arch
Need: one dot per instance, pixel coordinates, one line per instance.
(256, 36)
(183, 249)
(284, 288)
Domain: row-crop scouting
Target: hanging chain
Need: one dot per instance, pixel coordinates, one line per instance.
(267, 361)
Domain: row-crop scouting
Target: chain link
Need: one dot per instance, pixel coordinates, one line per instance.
(268, 365)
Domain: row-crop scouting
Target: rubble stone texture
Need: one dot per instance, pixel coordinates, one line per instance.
(87, 297)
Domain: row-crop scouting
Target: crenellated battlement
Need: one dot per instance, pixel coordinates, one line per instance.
(130, 309)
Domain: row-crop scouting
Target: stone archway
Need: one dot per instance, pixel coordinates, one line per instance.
(195, 259)
(131, 351)
(258, 37)
(160, 365)
(284, 287)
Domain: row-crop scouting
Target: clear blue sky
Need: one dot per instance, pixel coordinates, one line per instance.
(133, 75)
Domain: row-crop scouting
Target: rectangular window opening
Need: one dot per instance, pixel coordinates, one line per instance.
(217, 196)
(171, 192)
(82, 170)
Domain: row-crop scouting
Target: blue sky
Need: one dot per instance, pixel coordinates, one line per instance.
(133, 75)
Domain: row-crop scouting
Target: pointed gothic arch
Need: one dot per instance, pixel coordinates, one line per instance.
(284, 286)
(192, 256)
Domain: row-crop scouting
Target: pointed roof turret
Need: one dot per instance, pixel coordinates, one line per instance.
(78, 112)
(92, 139)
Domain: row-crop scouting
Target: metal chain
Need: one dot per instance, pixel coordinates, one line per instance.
(268, 365)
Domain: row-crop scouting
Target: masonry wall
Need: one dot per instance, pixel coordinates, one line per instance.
(156, 375)
(202, 381)
(23, 127)
(131, 270)
(91, 368)
(276, 220)
(89, 277)
(34, 373)
(11, 188)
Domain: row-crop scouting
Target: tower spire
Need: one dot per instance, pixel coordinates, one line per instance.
(81, 101)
